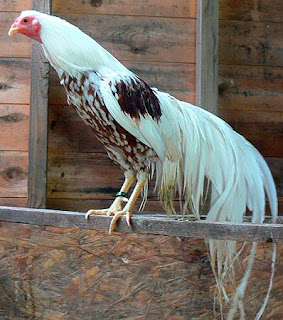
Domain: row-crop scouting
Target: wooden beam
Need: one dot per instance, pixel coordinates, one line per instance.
(148, 224)
(207, 54)
(38, 120)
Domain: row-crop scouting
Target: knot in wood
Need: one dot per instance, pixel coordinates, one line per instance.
(14, 117)
(96, 3)
(14, 173)
(3, 86)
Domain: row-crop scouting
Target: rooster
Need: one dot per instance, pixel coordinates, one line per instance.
(147, 132)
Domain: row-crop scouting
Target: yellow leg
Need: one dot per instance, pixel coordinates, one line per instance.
(118, 202)
(129, 207)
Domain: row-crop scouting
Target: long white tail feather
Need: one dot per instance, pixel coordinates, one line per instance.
(239, 178)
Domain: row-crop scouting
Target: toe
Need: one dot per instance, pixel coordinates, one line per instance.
(128, 219)
(88, 214)
(96, 212)
(114, 220)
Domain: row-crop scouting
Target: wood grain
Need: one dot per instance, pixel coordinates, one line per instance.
(262, 129)
(250, 43)
(68, 133)
(13, 174)
(141, 38)
(82, 175)
(207, 31)
(276, 167)
(165, 8)
(14, 124)
(14, 81)
(38, 121)
(83, 205)
(14, 202)
(17, 46)
(251, 10)
(251, 88)
(15, 5)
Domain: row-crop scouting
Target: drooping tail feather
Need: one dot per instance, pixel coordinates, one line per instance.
(239, 179)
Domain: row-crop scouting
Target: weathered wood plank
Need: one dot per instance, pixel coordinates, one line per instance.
(15, 5)
(252, 10)
(177, 79)
(14, 81)
(207, 55)
(276, 167)
(263, 129)
(152, 206)
(83, 205)
(251, 88)
(14, 202)
(250, 43)
(165, 8)
(68, 133)
(13, 174)
(16, 46)
(90, 176)
(82, 175)
(141, 38)
(14, 127)
(38, 121)
(148, 224)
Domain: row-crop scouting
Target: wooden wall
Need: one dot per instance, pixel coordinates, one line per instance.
(156, 41)
(14, 107)
(251, 76)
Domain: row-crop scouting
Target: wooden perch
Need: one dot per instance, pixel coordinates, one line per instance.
(148, 224)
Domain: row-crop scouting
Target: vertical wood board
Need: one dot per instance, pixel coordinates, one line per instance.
(207, 55)
(38, 121)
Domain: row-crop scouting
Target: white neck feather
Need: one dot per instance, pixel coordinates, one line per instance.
(63, 41)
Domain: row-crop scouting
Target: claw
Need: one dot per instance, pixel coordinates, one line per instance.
(128, 219)
(114, 220)
(90, 212)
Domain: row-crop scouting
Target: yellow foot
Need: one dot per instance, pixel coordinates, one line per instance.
(115, 206)
(117, 216)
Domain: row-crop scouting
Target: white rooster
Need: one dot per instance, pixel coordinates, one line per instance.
(147, 131)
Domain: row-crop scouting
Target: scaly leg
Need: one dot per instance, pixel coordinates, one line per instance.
(118, 202)
(129, 207)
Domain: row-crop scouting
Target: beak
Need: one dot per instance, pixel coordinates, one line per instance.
(13, 30)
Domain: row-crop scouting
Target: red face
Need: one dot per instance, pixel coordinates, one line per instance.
(28, 25)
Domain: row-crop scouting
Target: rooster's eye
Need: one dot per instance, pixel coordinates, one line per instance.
(26, 20)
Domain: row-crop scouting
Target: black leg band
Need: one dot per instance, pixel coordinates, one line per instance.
(122, 194)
